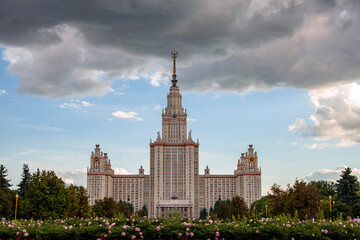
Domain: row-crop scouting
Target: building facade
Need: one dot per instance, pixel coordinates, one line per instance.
(174, 182)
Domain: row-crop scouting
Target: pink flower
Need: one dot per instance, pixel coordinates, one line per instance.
(137, 229)
(257, 231)
(210, 221)
(71, 227)
(217, 234)
(26, 234)
(179, 234)
(123, 234)
(133, 237)
(287, 225)
(17, 234)
(109, 232)
(124, 227)
(157, 228)
(191, 234)
(89, 223)
(140, 233)
(145, 217)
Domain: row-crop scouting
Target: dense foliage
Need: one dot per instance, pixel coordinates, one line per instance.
(302, 198)
(226, 209)
(4, 182)
(284, 227)
(347, 186)
(42, 195)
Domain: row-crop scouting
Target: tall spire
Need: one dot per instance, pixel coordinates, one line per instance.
(174, 55)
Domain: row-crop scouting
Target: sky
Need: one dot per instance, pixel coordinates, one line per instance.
(282, 75)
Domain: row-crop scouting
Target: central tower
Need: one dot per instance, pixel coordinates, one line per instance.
(174, 160)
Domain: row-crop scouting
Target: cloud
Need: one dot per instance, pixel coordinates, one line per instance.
(330, 174)
(3, 92)
(40, 128)
(336, 116)
(157, 107)
(60, 53)
(120, 171)
(75, 104)
(127, 115)
(317, 146)
(191, 120)
(77, 177)
(298, 125)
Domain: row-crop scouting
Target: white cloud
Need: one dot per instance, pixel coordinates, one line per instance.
(330, 174)
(77, 177)
(26, 152)
(317, 146)
(3, 92)
(75, 104)
(120, 171)
(40, 128)
(119, 93)
(127, 115)
(157, 107)
(191, 120)
(336, 116)
(68, 181)
(298, 125)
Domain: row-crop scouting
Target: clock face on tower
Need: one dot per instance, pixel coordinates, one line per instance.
(251, 159)
(96, 159)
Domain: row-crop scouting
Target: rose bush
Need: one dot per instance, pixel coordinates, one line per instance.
(177, 228)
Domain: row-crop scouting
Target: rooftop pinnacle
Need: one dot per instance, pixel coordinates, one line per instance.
(174, 55)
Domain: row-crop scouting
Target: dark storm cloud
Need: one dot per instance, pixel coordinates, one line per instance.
(76, 48)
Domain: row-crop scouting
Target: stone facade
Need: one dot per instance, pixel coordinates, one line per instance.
(174, 183)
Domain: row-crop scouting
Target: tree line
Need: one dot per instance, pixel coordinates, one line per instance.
(43, 195)
(302, 200)
(316, 199)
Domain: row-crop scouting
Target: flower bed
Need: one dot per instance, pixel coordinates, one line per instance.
(176, 228)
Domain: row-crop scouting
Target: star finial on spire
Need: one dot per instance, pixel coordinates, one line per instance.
(174, 55)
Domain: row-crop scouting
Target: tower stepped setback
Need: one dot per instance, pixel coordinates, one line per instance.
(174, 182)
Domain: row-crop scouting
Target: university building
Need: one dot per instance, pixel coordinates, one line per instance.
(174, 182)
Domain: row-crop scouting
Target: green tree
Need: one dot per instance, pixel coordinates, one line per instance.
(326, 188)
(238, 207)
(106, 207)
(203, 214)
(145, 210)
(262, 206)
(341, 208)
(24, 183)
(4, 183)
(224, 210)
(347, 187)
(129, 205)
(356, 210)
(301, 198)
(277, 199)
(79, 205)
(47, 196)
(7, 203)
(124, 209)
